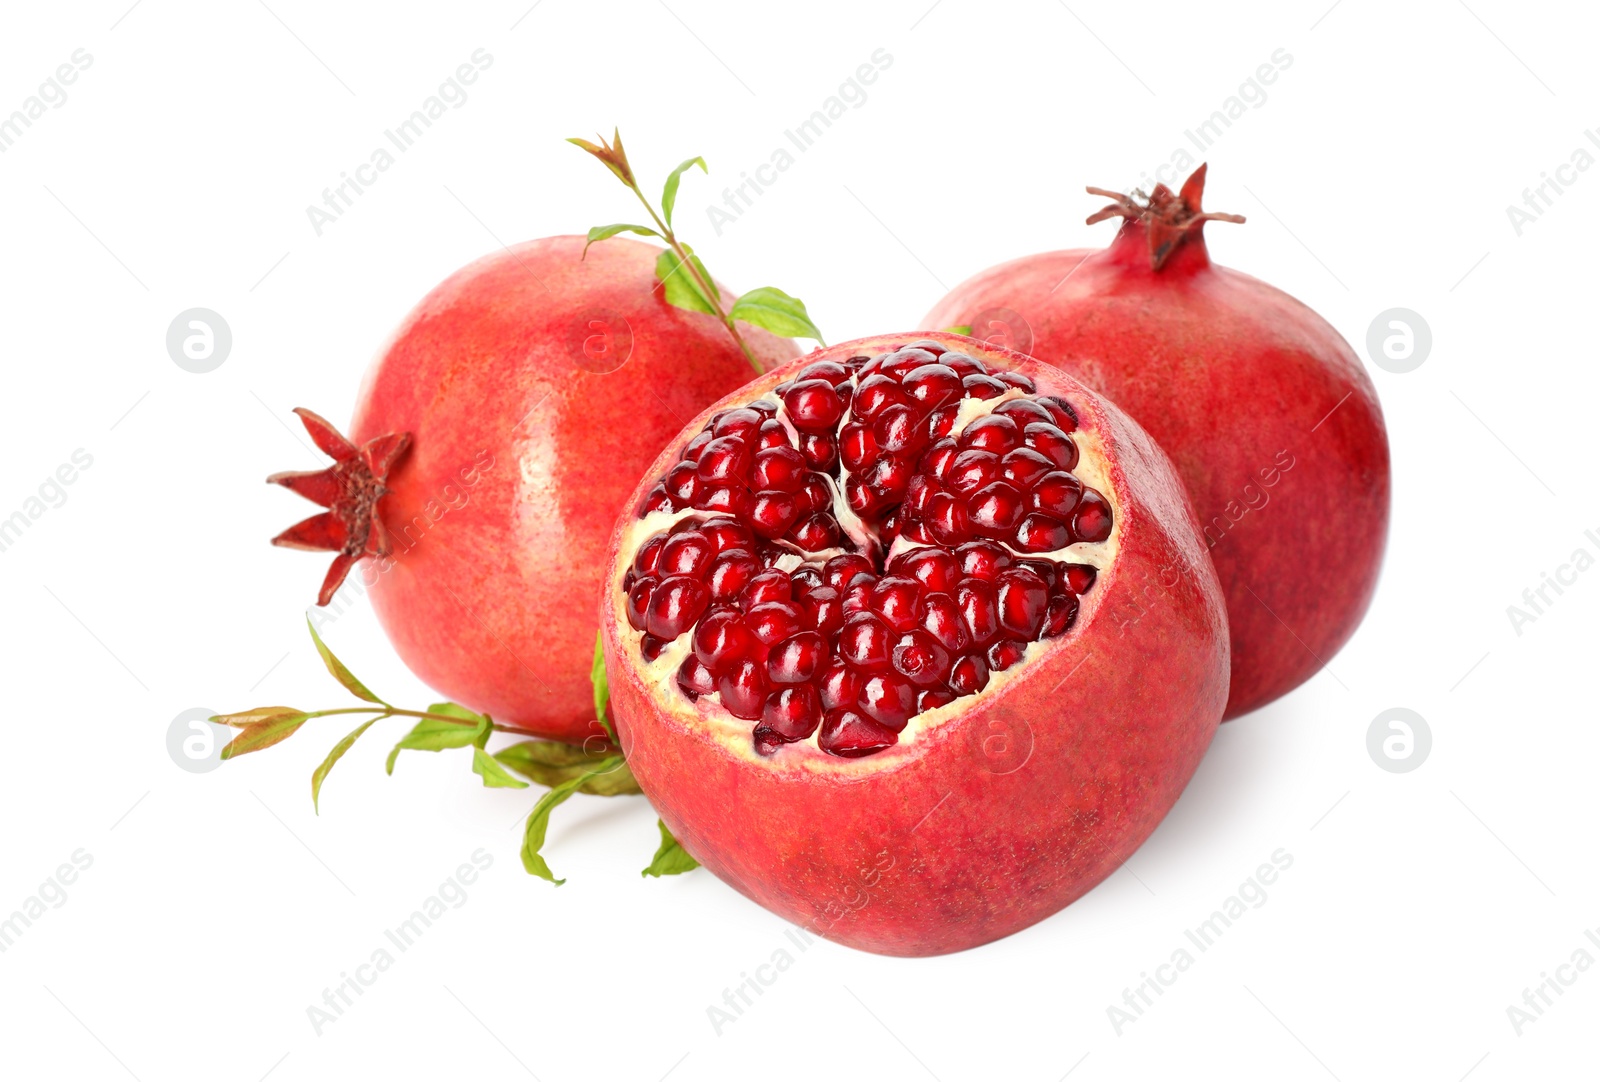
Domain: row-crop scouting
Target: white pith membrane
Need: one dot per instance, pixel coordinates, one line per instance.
(707, 714)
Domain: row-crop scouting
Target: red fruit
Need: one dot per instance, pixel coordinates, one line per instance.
(487, 466)
(1270, 417)
(1047, 716)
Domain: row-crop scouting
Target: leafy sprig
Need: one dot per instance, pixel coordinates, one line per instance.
(684, 279)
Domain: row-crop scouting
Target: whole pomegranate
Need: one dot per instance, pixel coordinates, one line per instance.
(1267, 414)
(913, 641)
(535, 386)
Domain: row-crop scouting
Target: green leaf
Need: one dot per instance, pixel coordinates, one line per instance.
(602, 688)
(681, 290)
(671, 858)
(669, 194)
(249, 717)
(334, 756)
(774, 310)
(493, 774)
(340, 673)
(437, 734)
(966, 330)
(539, 821)
(264, 732)
(605, 232)
(552, 763)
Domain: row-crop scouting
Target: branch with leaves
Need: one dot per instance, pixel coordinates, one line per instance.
(565, 768)
(684, 279)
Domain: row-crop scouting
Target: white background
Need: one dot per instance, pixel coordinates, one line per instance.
(1375, 175)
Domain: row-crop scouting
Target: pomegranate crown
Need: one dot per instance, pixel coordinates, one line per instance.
(1168, 217)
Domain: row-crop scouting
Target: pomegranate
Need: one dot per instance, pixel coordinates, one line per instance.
(1268, 415)
(913, 641)
(499, 432)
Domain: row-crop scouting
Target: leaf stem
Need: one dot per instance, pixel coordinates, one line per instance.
(396, 712)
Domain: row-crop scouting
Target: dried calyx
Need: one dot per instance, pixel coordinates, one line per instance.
(1167, 219)
(884, 539)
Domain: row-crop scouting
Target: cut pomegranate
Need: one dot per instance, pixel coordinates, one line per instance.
(996, 608)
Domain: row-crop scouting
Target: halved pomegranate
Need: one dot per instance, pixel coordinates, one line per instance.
(913, 641)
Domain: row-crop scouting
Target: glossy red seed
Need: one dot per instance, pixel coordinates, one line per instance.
(1025, 411)
(781, 468)
(980, 386)
(1041, 533)
(771, 434)
(941, 618)
(939, 458)
(857, 445)
(815, 532)
(1005, 653)
(821, 452)
(1023, 466)
(1020, 601)
(969, 675)
(813, 406)
(650, 647)
(864, 642)
(934, 698)
(723, 499)
(675, 606)
(897, 431)
(946, 518)
(725, 534)
(851, 734)
(887, 479)
(687, 553)
(789, 714)
(838, 571)
(797, 659)
(722, 640)
(639, 601)
(976, 600)
(861, 499)
(772, 513)
(934, 568)
(743, 690)
(692, 449)
(889, 699)
(1092, 520)
(824, 610)
(921, 659)
(769, 585)
(1080, 577)
(874, 394)
(644, 561)
(724, 459)
(996, 432)
(742, 422)
(931, 386)
(773, 621)
(1052, 443)
(1015, 379)
(941, 422)
(680, 482)
(918, 490)
(1063, 610)
(832, 371)
(971, 470)
(731, 572)
(1066, 417)
(814, 495)
(694, 679)
(995, 510)
(905, 359)
(802, 580)
(1056, 494)
(898, 599)
(983, 559)
(656, 499)
(964, 365)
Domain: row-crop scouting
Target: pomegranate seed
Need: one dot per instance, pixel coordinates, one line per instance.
(1017, 380)
(723, 499)
(935, 569)
(1041, 533)
(983, 559)
(691, 450)
(1092, 520)
(888, 477)
(781, 468)
(824, 610)
(816, 532)
(796, 659)
(858, 594)
(946, 517)
(917, 492)
(926, 344)
(813, 406)
(864, 642)
(971, 470)
(731, 572)
(1058, 618)
(644, 562)
(934, 698)
(981, 386)
(850, 734)
(639, 601)
(874, 394)
(889, 699)
(820, 450)
(1021, 599)
(840, 685)
(941, 618)
(939, 459)
(681, 482)
(1080, 577)
(831, 371)
(890, 527)
(897, 431)
(996, 432)
(814, 494)
(1052, 443)
(724, 459)
(905, 359)
(790, 714)
(920, 659)
(995, 509)
(1056, 494)
(687, 553)
(857, 445)
(858, 496)
(741, 422)
(773, 513)
(722, 640)
(773, 621)
(655, 500)
(941, 422)
(675, 605)
(770, 585)
(969, 675)
(931, 386)
(1024, 466)
(1025, 412)
(694, 679)
(650, 647)
(964, 365)
(899, 601)
(976, 600)
(743, 690)
(1066, 417)
(771, 434)
(1006, 653)
(802, 580)
(838, 571)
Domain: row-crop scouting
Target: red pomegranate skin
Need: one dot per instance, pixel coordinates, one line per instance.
(1233, 378)
(1001, 815)
(523, 449)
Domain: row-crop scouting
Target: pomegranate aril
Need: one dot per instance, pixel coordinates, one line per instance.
(781, 468)
(857, 445)
(941, 422)
(722, 640)
(813, 406)
(731, 572)
(1052, 443)
(773, 512)
(685, 554)
(742, 422)
(639, 601)
(677, 602)
(851, 734)
(918, 490)
(821, 452)
(723, 499)
(790, 714)
(899, 601)
(946, 517)
(797, 659)
(814, 495)
(906, 359)
(656, 499)
(996, 432)
(802, 580)
(724, 459)
(889, 699)
(832, 371)
(920, 659)
(935, 569)
(1017, 380)
(861, 499)
(815, 532)
(1021, 599)
(983, 559)
(773, 621)
(941, 618)
(939, 459)
(644, 561)
(838, 571)
(969, 675)
(897, 431)
(964, 365)
(1025, 411)
(1092, 520)
(995, 509)
(1006, 653)
(971, 470)
(771, 434)
(1023, 466)
(984, 387)
(651, 647)
(1059, 616)
(839, 685)
(1056, 494)
(858, 594)
(931, 386)
(692, 449)
(874, 394)
(1080, 577)
(1041, 533)
(864, 642)
(681, 481)
(824, 611)
(934, 698)
(976, 600)
(725, 534)
(694, 679)
(743, 690)
(1066, 417)
(769, 585)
